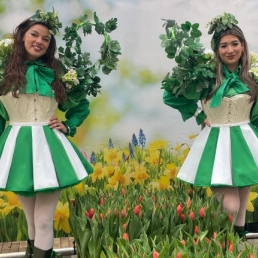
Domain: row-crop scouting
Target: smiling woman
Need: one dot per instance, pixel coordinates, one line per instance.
(36, 41)
(31, 91)
(227, 90)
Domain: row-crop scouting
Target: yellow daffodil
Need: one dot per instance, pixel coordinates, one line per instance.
(192, 136)
(209, 192)
(11, 203)
(98, 172)
(164, 183)
(140, 173)
(2, 203)
(154, 158)
(250, 206)
(171, 171)
(178, 147)
(119, 178)
(80, 188)
(158, 145)
(112, 156)
(61, 218)
(108, 171)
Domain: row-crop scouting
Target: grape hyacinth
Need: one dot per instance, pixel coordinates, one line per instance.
(134, 140)
(142, 138)
(110, 144)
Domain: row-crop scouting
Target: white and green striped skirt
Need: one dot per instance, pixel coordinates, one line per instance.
(223, 156)
(35, 158)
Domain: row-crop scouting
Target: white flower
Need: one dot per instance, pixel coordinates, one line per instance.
(70, 78)
(6, 42)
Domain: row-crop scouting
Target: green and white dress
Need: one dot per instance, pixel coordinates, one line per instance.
(33, 157)
(226, 153)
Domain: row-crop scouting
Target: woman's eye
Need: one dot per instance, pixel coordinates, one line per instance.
(33, 34)
(223, 46)
(46, 40)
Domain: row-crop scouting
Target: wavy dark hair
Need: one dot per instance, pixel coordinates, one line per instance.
(15, 70)
(244, 61)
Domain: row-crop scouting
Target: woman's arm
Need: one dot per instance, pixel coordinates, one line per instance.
(187, 107)
(75, 116)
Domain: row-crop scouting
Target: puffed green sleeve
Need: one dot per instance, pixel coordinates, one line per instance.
(75, 116)
(186, 107)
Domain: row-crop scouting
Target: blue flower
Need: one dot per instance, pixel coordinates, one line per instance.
(134, 140)
(110, 144)
(142, 138)
(93, 158)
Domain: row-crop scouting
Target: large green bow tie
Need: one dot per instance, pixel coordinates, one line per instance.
(39, 79)
(231, 80)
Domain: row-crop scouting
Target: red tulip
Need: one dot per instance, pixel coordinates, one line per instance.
(91, 212)
(191, 215)
(123, 213)
(196, 230)
(179, 209)
(73, 202)
(178, 255)
(202, 212)
(189, 201)
(123, 192)
(102, 201)
(126, 236)
(155, 254)
(137, 209)
(140, 198)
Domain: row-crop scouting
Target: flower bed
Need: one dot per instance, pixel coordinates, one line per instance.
(133, 206)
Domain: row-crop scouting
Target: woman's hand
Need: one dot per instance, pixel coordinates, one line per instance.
(55, 123)
(206, 122)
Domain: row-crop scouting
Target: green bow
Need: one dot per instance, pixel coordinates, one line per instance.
(231, 80)
(39, 79)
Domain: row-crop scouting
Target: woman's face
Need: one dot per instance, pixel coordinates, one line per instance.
(36, 41)
(230, 50)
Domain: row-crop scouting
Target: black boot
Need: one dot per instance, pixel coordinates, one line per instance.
(240, 231)
(29, 249)
(38, 253)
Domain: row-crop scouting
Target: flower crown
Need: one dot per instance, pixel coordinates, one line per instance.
(50, 19)
(220, 23)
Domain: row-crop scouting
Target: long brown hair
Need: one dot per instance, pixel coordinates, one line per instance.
(244, 61)
(15, 70)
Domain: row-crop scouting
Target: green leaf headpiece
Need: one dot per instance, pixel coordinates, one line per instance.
(49, 18)
(218, 25)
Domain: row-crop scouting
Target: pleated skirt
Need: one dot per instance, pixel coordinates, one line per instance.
(36, 158)
(223, 156)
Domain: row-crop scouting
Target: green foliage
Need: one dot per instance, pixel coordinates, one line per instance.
(193, 74)
(49, 18)
(72, 56)
(222, 22)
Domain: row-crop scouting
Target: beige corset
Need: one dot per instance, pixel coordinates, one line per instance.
(234, 110)
(29, 108)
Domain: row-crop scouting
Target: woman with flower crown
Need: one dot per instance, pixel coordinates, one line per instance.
(224, 156)
(36, 158)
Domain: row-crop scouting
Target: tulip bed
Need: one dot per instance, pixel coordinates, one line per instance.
(133, 206)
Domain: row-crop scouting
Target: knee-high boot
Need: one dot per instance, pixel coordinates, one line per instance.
(29, 249)
(38, 253)
(240, 231)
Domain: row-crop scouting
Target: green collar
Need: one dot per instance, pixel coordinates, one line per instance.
(39, 79)
(230, 80)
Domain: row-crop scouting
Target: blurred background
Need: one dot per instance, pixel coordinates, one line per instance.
(131, 97)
